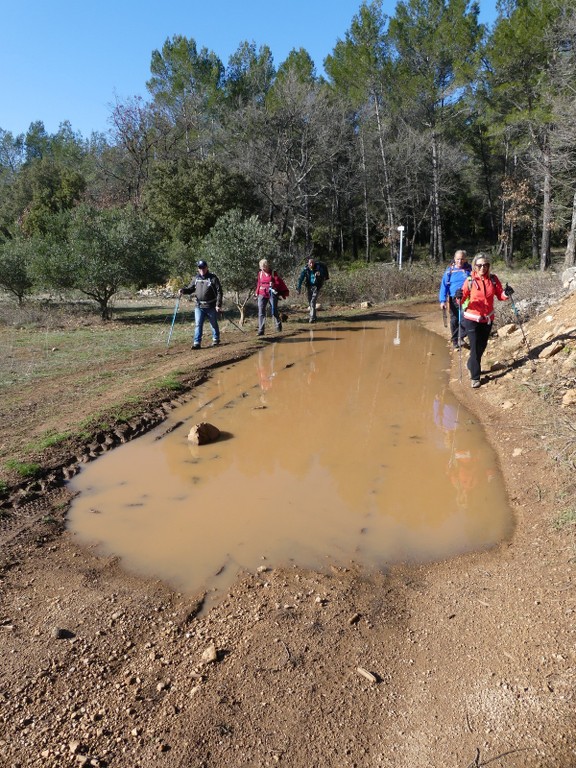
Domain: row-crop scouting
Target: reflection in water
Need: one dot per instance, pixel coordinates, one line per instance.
(341, 444)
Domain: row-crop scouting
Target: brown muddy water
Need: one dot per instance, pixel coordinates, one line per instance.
(338, 445)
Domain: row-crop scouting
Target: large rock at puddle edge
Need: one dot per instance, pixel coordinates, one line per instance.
(203, 433)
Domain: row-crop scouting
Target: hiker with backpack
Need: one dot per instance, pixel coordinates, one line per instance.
(270, 288)
(476, 298)
(208, 292)
(452, 281)
(314, 275)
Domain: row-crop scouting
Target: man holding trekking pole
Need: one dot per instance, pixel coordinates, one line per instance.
(208, 291)
(452, 281)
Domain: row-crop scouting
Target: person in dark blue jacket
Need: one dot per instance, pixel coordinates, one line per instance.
(452, 281)
(314, 275)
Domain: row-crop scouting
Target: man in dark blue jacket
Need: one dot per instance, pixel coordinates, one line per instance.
(452, 281)
(208, 291)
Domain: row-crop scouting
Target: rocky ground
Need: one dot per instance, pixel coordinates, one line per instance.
(468, 662)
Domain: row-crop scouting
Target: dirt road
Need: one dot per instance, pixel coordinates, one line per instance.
(468, 662)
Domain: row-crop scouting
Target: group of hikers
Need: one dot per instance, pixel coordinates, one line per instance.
(270, 288)
(467, 291)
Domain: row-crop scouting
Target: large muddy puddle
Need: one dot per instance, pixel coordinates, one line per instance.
(341, 444)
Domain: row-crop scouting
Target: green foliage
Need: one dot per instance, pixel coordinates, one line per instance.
(436, 41)
(50, 440)
(298, 63)
(179, 69)
(233, 249)
(565, 518)
(249, 75)
(170, 382)
(25, 470)
(518, 55)
(16, 258)
(356, 61)
(186, 197)
(53, 188)
(112, 248)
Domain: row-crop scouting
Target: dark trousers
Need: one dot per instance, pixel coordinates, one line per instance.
(478, 335)
(313, 291)
(454, 319)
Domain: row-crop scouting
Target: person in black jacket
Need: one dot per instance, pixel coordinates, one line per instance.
(208, 291)
(314, 274)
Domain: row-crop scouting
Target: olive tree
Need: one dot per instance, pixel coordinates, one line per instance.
(15, 259)
(109, 249)
(233, 248)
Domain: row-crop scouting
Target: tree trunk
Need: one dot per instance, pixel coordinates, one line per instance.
(390, 208)
(437, 240)
(510, 247)
(486, 175)
(546, 211)
(569, 258)
(365, 193)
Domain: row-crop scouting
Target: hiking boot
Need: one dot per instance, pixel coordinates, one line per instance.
(279, 327)
(260, 333)
(216, 343)
(475, 383)
(195, 346)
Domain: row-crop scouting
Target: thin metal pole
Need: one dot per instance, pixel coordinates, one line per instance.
(460, 339)
(517, 316)
(173, 321)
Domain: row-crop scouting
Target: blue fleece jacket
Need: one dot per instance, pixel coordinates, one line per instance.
(453, 279)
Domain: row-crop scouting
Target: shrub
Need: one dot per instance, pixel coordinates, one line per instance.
(379, 283)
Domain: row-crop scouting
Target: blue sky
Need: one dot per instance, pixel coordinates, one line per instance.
(72, 59)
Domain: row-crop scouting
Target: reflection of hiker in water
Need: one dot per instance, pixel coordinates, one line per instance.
(445, 417)
(466, 473)
(312, 363)
(266, 370)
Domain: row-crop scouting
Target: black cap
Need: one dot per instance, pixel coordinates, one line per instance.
(201, 263)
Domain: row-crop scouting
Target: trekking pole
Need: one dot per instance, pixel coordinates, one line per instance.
(444, 320)
(235, 325)
(508, 292)
(173, 321)
(460, 339)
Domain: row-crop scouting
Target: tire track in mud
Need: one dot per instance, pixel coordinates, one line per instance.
(24, 505)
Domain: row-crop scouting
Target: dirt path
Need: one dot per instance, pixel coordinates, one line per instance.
(462, 663)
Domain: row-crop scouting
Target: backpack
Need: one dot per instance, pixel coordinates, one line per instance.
(323, 269)
(319, 275)
(281, 286)
(470, 278)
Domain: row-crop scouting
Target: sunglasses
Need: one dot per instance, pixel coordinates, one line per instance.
(482, 266)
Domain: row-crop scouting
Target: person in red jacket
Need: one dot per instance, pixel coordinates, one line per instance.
(269, 289)
(477, 299)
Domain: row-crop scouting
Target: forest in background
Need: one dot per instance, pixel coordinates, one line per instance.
(463, 135)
